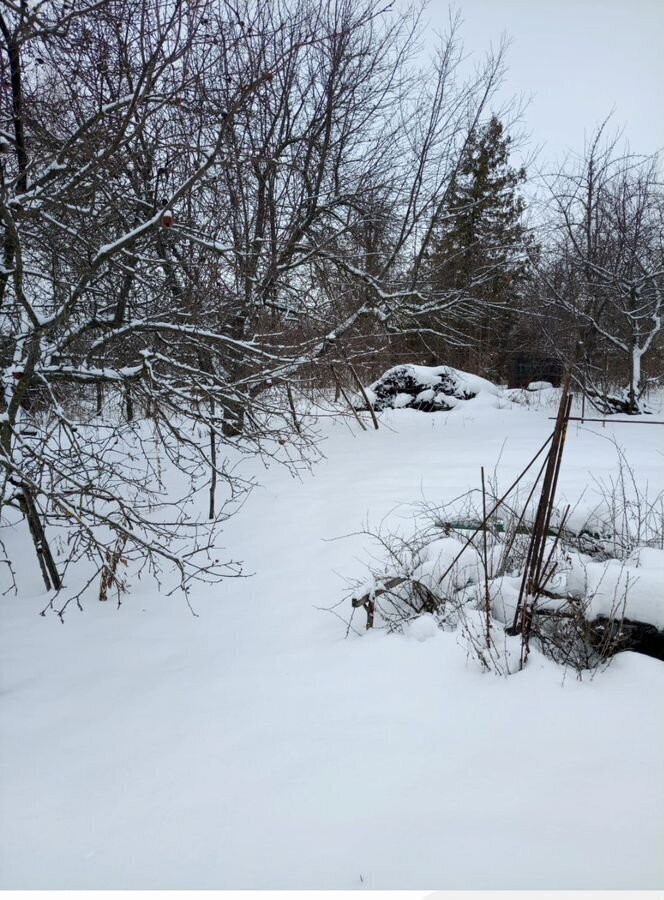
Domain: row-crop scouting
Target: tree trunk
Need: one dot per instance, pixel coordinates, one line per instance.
(129, 404)
(213, 465)
(233, 424)
(635, 379)
(47, 565)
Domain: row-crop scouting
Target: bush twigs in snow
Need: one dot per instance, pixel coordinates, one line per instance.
(529, 572)
(477, 599)
(349, 403)
(367, 600)
(362, 391)
(109, 574)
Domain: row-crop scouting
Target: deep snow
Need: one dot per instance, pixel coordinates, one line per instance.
(255, 747)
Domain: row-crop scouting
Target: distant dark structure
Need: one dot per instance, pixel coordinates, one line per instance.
(526, 367)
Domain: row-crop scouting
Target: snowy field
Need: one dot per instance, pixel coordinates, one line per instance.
(254, 746)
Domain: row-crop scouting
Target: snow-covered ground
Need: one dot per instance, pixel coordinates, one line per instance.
(255, 747)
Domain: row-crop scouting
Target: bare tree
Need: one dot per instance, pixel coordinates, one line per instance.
(603, 267)
(88, 289)
(335, 181)
(199, 203)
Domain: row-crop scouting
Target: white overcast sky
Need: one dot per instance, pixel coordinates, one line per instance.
(578, 59)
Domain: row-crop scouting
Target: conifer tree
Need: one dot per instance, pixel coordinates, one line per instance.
(480, 250)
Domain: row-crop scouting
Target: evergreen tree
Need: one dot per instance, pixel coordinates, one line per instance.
(479, 251)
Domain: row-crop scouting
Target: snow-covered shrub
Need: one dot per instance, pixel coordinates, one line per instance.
(618, 402)
(468, 578)
(426, 388)
(437, 582)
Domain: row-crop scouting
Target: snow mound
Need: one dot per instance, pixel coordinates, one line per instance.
(423, 628)
(633, 589)
(427, 388)
(447, 565)
(541, 397)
